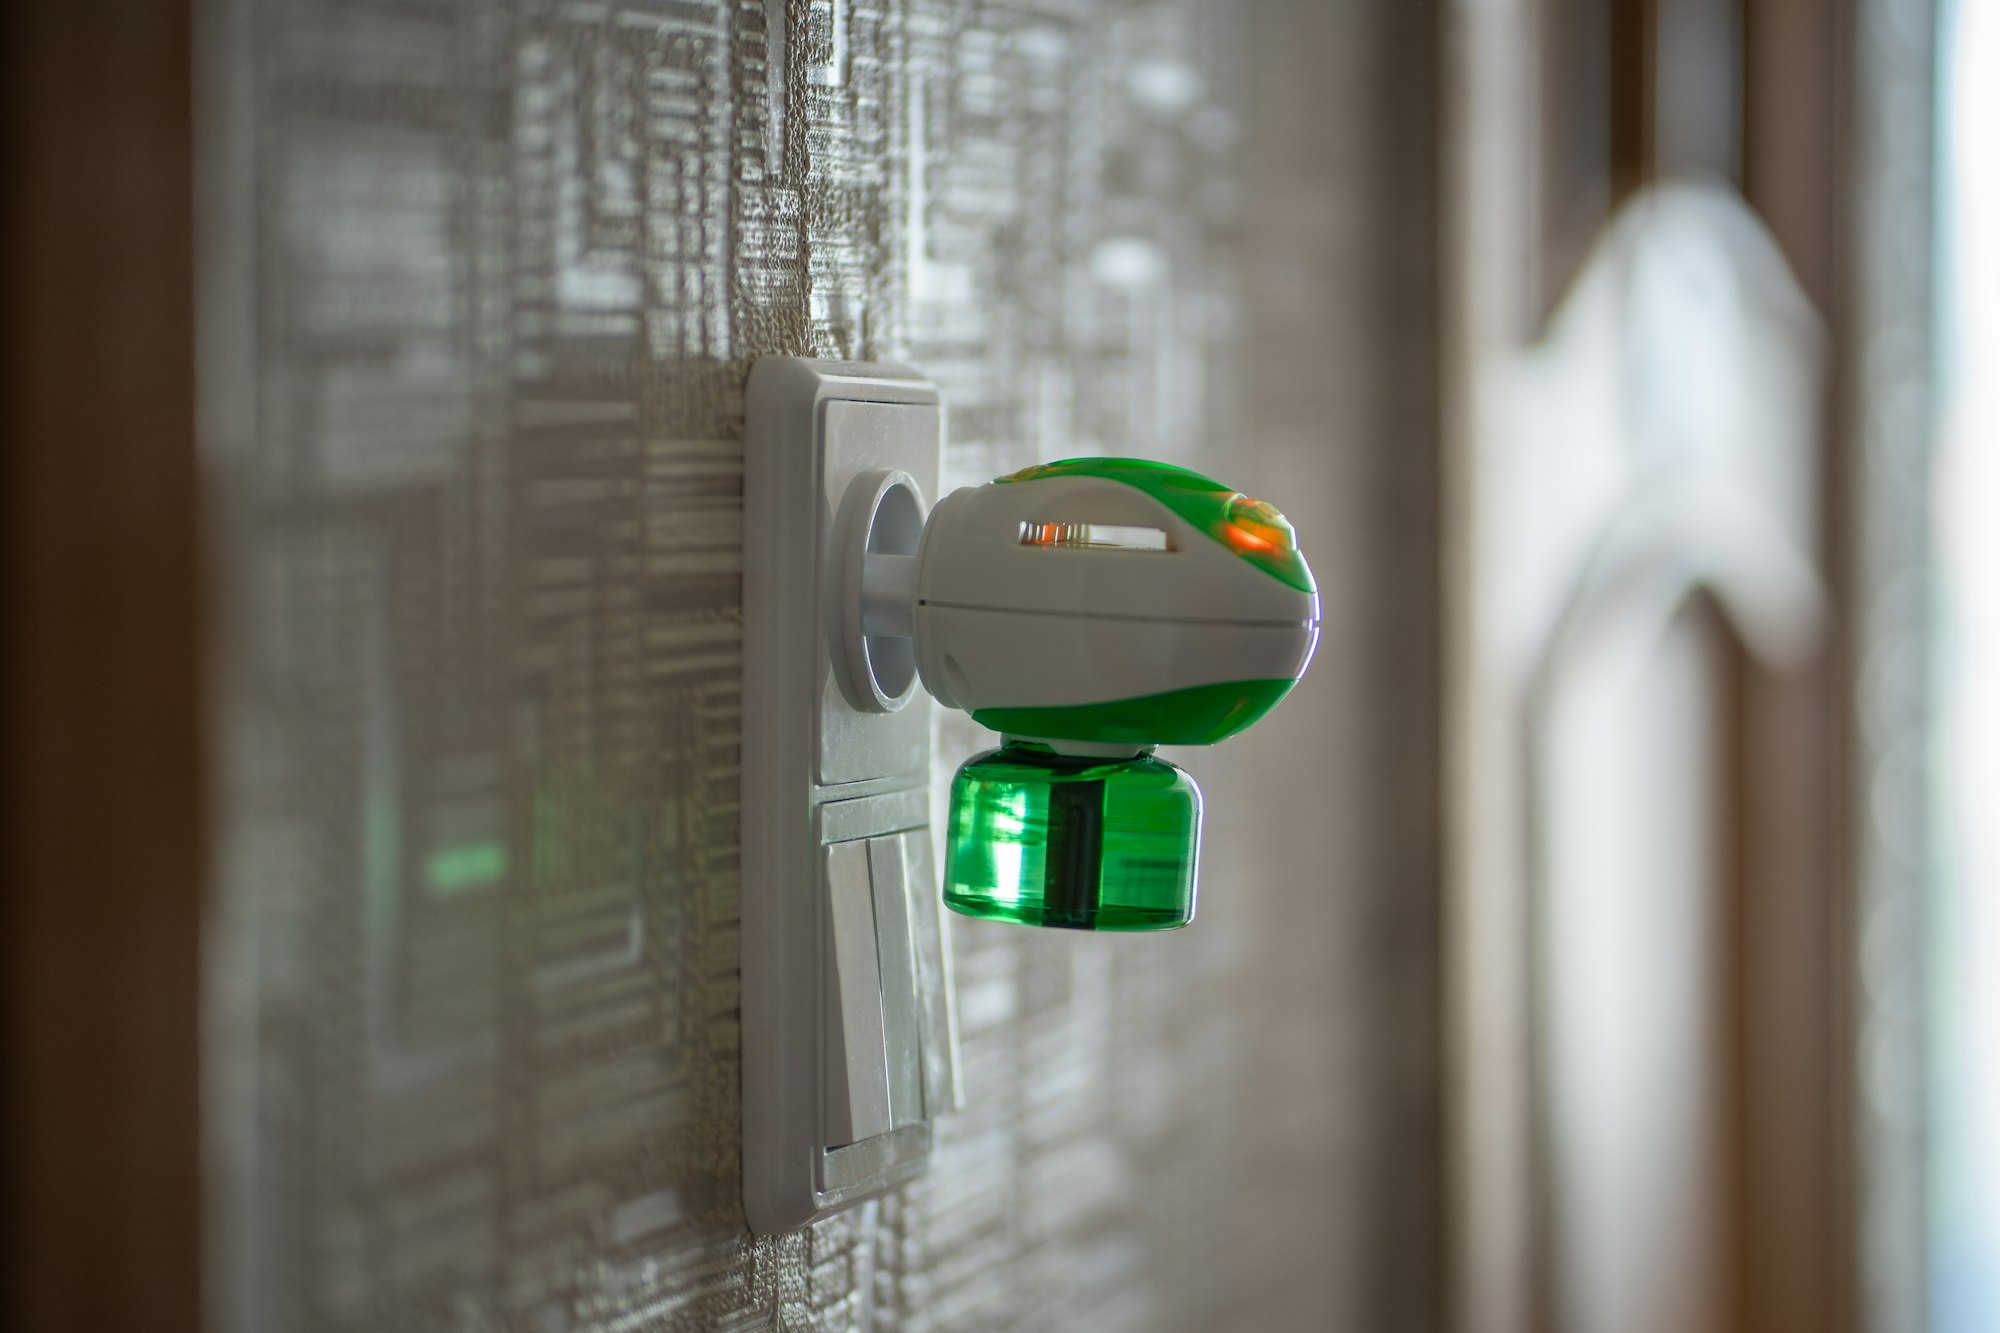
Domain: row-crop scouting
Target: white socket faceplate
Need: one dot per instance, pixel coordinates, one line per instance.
(848, 1049)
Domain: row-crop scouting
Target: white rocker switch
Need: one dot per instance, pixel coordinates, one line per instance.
(901, 1028)
(937, 1027)
(875, 1021)
(857, 1079)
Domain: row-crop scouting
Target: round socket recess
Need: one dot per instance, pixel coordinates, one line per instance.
(875, 538)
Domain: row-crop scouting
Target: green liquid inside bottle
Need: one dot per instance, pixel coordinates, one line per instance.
(1043, 839)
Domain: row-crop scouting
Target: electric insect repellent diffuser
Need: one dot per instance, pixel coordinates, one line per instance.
(1091, 610)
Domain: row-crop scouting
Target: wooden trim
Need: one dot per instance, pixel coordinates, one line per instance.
(99, 671)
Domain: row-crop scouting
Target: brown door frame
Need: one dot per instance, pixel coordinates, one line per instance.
(101, 833)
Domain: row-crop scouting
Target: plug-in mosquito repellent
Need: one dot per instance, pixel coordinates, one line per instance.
(1089, 611)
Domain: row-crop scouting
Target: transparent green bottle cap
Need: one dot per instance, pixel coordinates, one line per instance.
(1043, 839)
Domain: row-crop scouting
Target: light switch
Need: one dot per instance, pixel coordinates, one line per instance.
(937, 1027)
(888, 1039)
(857, 1077)
(901, 1029)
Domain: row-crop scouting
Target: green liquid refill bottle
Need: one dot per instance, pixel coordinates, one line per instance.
(1090, 611)
(1044, 839)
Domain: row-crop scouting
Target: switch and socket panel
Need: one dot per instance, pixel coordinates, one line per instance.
(848, 1043)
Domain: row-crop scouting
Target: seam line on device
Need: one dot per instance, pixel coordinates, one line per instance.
(1113, 615)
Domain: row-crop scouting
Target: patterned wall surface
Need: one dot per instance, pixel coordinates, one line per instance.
(484, 284)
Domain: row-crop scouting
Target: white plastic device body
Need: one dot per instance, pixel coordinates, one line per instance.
(848, 1048)
(1005, 623)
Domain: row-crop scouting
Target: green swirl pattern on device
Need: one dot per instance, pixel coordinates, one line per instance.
(1197, 715)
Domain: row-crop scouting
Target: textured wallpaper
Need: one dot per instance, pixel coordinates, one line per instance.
(483, 283)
